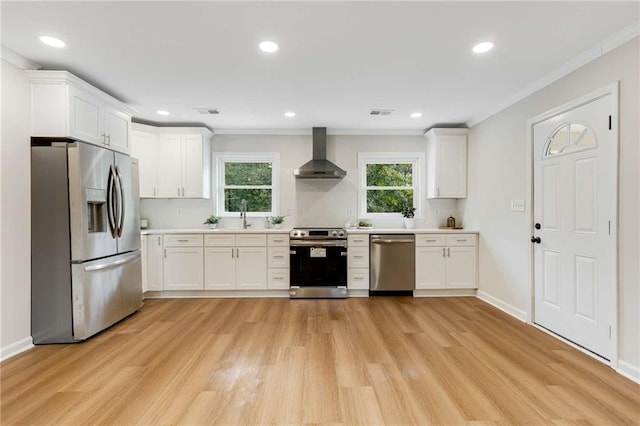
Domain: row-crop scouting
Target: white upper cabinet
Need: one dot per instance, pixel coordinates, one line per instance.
(447, 163)
(175, 162)
(62, 105)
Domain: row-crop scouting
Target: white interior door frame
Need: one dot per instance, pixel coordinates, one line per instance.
(610, 89)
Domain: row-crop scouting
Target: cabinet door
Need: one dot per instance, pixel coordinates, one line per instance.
(117, 129)
(278, 279)
(192, 173)
(430, 267)
(461, 267)
(358, 257)
(278, 257)
(358, 279)
(251, 268)
(184, 268)
(154, 263)
(452, 167)
(169, 166)
(145, 149)
(143, 254)
(85, 116)
(219, 268)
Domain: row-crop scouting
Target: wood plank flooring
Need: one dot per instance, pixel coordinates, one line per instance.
(279, 361)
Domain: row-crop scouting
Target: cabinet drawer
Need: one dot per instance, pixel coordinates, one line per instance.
(221, 240)
(461, 240)
(278, 279)
(278, 257)
(279, 240)
(251, 240)
(358, 257)
(360, 240)
(183, 240)
(358, 279)
(426, 240)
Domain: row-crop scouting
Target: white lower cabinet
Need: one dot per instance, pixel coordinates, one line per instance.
(358, 262)
(446, 261)
(235, 262)
(183, 263)
(154, 271)
(278, 255)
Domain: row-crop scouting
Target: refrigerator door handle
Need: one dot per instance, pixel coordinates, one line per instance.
(112, 264)
(121, 205)
(111, 203)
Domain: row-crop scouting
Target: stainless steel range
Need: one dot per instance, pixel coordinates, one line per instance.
(318, 262)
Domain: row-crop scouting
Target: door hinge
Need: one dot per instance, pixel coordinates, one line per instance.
(609, 122)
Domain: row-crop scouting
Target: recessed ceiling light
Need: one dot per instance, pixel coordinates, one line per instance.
(52, 41)
(161, 112)
(268, 46)
(290, 114)
(483, 47)
(416, 114)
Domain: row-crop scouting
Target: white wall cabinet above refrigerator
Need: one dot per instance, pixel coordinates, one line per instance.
(447, 163)
(175, 162)
(62, 105)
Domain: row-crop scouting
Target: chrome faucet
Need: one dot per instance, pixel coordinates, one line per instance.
(243, 214)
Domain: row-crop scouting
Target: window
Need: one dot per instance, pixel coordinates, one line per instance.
(569, 137)
(250, 177)
(388, 183)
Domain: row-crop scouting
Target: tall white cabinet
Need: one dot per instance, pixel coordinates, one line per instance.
(447, 163)
(175, 162)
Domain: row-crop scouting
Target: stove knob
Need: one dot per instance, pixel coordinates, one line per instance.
(334, 233)
(341, 234)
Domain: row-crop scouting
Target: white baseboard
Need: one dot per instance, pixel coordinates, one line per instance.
(214, 294)
(15, 348)
(629, 371)
(504, 307)
(445, 293)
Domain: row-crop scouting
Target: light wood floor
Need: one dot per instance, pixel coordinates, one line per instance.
(279, 361)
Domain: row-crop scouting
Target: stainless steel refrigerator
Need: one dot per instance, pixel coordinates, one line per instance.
(86, 271)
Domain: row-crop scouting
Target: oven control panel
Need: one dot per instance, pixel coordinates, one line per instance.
(318, 233)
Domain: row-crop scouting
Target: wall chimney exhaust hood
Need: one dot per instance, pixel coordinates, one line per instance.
(319, 167)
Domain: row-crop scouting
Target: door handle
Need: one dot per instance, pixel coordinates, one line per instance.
(121, 204)
(111, 202)
(536, 240)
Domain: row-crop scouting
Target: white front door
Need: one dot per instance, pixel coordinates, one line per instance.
(574, 211)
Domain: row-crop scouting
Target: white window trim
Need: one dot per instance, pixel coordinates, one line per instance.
(248, 157)
(415, 158)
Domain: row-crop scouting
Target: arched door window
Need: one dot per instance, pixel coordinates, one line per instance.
(569, 137)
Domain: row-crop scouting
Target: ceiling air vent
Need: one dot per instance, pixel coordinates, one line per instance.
(210, 111)
(380, 112)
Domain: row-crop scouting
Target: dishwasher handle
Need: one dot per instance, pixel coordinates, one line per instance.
(391, 241)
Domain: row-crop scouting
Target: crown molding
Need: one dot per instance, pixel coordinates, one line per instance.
(17, 60)
(608, 44)
(336, 132)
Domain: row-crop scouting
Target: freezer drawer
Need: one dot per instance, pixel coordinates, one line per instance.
(104, 292)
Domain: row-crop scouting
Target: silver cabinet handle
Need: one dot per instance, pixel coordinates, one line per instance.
(448, 252)
(238, 252)
(443, 253)
(462, 240)
(183, 241)
(165, 253)
(431, 241)
(278, 257)
(358, 278)
(232, 256)
(159, 240)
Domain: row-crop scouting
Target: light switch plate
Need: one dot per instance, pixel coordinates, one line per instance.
(517, 205)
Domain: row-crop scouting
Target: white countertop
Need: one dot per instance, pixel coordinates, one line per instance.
(411, 231)
(287, 230)
(214, 231)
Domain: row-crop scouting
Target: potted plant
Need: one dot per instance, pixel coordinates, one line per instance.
(276, 221)
(408, 213)
(212, 221)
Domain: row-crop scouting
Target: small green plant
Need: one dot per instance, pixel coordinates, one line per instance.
(408, 212)
(276, 220)
(364, 224)
(212, 220)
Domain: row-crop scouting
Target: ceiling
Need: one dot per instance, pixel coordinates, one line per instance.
(336, 61)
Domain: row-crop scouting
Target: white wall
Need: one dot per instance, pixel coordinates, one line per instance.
(497, 175)
(306, 202)
(15, 226)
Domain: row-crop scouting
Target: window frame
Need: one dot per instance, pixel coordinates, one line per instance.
(416, 159)
(258, 157)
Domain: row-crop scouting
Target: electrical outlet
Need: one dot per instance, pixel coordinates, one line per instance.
(349, 212)
(179, 212)
(436, 212)
(288, 212)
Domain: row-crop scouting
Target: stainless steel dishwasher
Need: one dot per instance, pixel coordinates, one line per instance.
(392, 263)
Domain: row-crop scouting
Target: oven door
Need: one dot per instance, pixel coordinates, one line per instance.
(318, 263)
